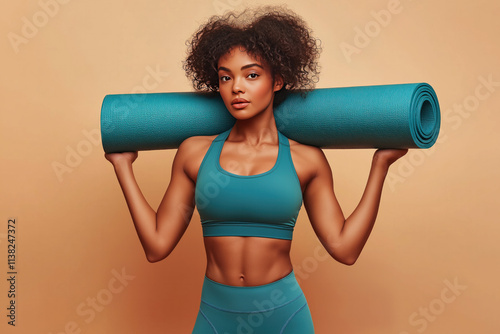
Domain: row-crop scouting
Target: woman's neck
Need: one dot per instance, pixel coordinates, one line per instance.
(256, 130)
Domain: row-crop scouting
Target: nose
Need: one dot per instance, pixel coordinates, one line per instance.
(238, 85)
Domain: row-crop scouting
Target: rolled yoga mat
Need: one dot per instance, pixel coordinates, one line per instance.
(383, 116)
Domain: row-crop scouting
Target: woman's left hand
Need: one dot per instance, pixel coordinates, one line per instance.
(387, 157)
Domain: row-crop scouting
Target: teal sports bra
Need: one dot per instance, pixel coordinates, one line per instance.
(261, 205)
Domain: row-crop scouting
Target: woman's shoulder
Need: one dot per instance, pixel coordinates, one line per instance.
(197, 141)
(195, 145)
(308, 161)
(191, 152)
(306, 152)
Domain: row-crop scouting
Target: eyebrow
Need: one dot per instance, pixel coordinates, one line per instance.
(243, 67)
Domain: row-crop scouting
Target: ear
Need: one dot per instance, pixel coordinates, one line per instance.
(278, 83)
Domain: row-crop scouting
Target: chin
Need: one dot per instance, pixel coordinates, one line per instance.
(240, 116)
(241, 113)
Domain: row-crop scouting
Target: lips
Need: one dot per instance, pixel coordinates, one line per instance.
(239, 103)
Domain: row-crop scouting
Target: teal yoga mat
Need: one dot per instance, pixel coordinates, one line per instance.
(383, 116)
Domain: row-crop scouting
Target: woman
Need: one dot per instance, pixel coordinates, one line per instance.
(249, 182)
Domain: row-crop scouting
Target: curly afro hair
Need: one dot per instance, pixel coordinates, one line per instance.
(272, 34)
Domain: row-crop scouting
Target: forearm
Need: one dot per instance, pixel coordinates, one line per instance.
(359, 224)
(143, 216)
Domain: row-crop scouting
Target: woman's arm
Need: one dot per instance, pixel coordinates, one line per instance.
(159, 232)
(345, 238)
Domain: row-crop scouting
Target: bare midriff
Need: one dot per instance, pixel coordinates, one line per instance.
(247, 261)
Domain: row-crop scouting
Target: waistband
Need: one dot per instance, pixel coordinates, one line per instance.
(251, 299)
(246, 229)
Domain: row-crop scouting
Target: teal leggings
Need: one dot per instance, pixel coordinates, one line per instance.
(279, 307)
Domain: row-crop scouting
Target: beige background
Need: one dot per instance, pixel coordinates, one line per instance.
(438, 224)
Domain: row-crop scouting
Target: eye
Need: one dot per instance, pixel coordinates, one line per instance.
(253, 75)
(224, 78)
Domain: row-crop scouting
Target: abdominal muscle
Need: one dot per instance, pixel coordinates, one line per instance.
(247, 261)
(235, 260)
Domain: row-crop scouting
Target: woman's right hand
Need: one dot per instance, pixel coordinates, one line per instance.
(121, 158)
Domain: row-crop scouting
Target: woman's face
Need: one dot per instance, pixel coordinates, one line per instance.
(245, 78)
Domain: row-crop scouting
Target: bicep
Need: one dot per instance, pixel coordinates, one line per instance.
(176, 208)
(320, 202)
